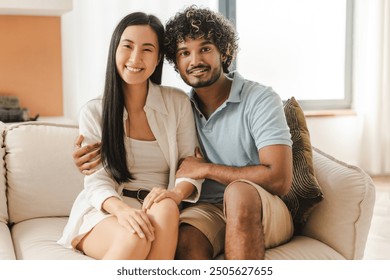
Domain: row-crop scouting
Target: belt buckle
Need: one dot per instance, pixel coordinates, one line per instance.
(139, 195)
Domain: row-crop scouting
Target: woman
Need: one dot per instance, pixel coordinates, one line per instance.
(128, 208)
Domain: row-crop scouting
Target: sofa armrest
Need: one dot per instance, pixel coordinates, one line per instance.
(6, 246)
(3, 186)
(342, 220)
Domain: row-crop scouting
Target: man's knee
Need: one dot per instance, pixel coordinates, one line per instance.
(242, 194)
(242, 202)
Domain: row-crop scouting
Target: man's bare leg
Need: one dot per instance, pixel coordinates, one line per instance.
(244, 231)
(193, 244)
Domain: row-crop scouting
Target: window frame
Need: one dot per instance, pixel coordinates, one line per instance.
(228, 8)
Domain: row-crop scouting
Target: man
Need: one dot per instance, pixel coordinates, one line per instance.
(245, 141)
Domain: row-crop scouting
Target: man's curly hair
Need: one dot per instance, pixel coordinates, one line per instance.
(195, 23)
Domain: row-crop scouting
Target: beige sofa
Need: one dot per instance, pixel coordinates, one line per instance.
(38, 183)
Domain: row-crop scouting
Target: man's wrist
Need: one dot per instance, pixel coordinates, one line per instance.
(208, 170)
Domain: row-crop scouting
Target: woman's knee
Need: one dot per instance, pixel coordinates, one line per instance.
(165, 209)
(165, 214)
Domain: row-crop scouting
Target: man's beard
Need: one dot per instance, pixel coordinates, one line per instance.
(205, 83)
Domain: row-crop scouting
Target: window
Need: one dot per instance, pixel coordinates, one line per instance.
(300, 48)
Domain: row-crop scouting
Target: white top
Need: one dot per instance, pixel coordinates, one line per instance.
(170, 118)
(147, 165)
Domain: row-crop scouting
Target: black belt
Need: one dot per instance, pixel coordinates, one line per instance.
(138, 194)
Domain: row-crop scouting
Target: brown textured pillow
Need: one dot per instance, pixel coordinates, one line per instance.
(305, 191)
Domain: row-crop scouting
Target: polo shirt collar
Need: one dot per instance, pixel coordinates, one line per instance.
(236, 89)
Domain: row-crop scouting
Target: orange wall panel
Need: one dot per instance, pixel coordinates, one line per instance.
(30, 62)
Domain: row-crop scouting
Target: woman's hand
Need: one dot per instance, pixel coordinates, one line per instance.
(158, 194)
(180, 192)
(135, 220)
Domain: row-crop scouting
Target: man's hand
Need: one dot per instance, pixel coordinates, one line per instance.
(86, 158)
(194, 167)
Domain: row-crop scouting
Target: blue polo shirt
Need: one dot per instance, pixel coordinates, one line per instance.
(251, 118)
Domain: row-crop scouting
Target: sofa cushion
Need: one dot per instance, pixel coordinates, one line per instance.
(3, 197)
(305, 191)
(347, 208)
(36, 239)
(42, 178)
(6, 245)
(303, 248)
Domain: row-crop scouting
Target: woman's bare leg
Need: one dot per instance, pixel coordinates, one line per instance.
(110, 240)
(164, 216)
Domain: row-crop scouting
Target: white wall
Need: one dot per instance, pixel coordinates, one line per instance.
(336, 135)
(86, 32)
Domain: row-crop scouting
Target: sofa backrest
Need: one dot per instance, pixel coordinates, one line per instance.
(3, 197)
(42, 178)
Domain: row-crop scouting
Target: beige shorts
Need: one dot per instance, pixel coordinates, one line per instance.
(210, 220)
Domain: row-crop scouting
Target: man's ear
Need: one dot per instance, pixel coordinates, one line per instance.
(223, 57)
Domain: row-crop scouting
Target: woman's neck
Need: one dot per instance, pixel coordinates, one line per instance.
(137, 126)
(135, 96)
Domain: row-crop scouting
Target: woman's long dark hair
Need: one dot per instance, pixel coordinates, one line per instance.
(113, 152)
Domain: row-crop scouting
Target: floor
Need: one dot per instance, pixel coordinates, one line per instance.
(378, 242)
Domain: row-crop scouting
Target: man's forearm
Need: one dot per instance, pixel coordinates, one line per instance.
(272, 180)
